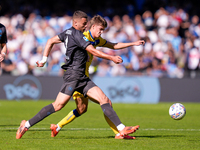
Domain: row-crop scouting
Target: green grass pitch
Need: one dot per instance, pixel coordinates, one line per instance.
(91, 132)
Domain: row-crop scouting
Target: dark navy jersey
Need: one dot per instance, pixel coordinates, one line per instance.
(76, 55)
(3, 36)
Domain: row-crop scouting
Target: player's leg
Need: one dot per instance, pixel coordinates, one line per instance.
(82, 104)
(96, 93)
(115, 130)
(112, 126)
(59, 103)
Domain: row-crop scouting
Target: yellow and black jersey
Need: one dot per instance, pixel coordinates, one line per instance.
(95, 42)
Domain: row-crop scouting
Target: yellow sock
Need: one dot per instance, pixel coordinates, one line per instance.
(70, 117)
(111, 124)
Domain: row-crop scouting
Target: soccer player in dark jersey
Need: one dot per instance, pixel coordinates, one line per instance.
(3, 41)
(74, 77)
(96, 28)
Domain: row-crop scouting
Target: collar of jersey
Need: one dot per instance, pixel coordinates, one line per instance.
(91, 35)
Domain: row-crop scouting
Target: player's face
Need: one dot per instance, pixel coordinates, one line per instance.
(81, 24)
(97, 30)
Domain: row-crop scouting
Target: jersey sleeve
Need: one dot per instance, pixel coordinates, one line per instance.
(82, 41)
(102, 42)
(62, 36)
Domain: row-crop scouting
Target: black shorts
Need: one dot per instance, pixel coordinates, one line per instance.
(81, 86)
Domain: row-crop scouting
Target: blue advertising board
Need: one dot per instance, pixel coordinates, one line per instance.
(130, 89)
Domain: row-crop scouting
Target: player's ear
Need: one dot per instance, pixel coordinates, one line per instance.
(93, 26)
(75, 22)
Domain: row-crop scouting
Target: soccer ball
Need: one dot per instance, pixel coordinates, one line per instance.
(177, 111)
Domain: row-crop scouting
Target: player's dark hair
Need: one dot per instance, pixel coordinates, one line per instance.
(79, 14)
(98, 20)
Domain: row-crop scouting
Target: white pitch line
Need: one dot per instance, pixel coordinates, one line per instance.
(172, 129)
(147, 129)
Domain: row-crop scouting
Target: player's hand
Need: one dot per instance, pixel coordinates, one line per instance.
(40, 64)
(140, 42)
(117, 59)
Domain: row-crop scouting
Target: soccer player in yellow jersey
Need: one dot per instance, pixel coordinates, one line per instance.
(97, 26)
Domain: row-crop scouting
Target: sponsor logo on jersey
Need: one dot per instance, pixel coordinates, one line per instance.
(85, 39)
(68, 32)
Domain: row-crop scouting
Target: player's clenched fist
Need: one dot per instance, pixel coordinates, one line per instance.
(117, 59)
(140, 42)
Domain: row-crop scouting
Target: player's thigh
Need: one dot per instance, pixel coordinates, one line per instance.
(94, 100)
(97, 94)
(61, 100)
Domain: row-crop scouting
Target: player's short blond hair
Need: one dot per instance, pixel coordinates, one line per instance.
(98, 20)
(79, 14)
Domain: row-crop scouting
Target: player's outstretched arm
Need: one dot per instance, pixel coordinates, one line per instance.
(47, 49)
(95, 52)
(124, 45)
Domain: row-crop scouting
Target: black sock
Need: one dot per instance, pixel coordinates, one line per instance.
(110, 113)
(43, 113)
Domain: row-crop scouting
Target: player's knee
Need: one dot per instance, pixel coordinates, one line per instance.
(57, 107)
(103, 100)
(106, 99)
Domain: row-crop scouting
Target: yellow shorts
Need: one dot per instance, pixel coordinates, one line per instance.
(76, 95)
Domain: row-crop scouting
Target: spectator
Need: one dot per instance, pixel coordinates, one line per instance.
(171, 33)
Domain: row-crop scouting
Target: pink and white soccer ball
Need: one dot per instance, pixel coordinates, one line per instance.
(177, 111)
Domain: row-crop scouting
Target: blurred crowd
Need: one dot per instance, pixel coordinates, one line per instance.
(172, 45)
